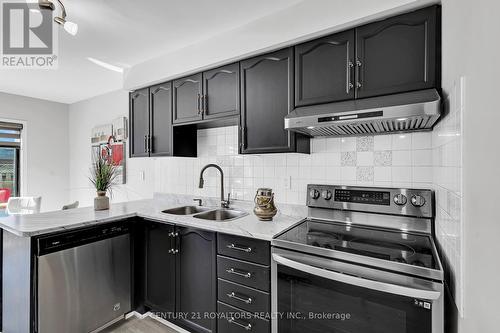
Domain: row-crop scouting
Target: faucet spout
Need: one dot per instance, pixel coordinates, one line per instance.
(224, 203)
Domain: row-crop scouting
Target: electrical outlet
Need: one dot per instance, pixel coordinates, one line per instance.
(287, 182)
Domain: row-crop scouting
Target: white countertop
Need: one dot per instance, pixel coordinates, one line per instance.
(248, 226)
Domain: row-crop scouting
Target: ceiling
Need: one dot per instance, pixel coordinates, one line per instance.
(125, 33)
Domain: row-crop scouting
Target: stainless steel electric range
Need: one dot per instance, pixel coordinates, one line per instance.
(363, 261)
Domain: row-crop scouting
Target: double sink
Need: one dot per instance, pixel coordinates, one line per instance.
(207, 213)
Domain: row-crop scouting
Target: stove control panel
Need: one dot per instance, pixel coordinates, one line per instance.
(398, 201)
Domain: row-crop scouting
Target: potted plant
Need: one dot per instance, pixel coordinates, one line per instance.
(103, 174)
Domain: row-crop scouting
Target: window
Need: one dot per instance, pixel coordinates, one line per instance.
(10, 145)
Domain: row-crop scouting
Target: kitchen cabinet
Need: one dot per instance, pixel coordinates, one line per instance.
(221, 94)
(209, 95)
(266, 98)
(161, 119)
(324, 69)
(187, 94)
(197, 278)
(151, 121)
(160, 267)
(181, 274)
(398, 54)
(139, 123)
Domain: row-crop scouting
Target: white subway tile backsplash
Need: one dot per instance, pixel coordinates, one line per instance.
(382, 142)
(365, 158)
(422, 157)
(401, 141)
(401, 158)
(348, 144)
(401, 174)
(382, 174)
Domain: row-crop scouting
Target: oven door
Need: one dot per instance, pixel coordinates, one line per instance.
(316, 294)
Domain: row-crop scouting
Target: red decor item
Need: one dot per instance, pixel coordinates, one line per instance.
(4, 195)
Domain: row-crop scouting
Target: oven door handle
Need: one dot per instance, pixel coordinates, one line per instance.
(358, 281)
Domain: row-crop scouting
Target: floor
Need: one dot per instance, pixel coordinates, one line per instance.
(137, 325)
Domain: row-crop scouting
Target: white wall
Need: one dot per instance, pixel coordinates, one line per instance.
(83, 116)
(470, 30)
(45, 167)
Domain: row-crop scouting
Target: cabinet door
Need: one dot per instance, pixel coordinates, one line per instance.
(266, 97)
(161, 119)
(398, 54)
(187, 99)
(197, 278)
(139, 123)
(324, 69)
(160, 267)
(221, 94)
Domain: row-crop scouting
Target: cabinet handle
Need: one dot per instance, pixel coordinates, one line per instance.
(237, 248)
(246, 275)
(350, 66)
(199, 103)
(233, 295)
(205, 104)
(243, 137)
(358, 74)
(149, 143)
(173, 251)
(247, 326)
(173, 234)
(145, 143)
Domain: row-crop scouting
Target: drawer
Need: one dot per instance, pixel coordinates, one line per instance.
(233, 320)
(248, 249)
(248, 299)
(248, 274)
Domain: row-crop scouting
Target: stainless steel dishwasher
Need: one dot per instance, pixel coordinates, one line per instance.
(84, 279)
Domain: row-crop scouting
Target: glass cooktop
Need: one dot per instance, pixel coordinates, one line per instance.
(394, 246)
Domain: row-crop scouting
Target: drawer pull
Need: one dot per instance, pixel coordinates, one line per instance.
(246, 275)
(239, 298)
(247, 327)
(237, 248)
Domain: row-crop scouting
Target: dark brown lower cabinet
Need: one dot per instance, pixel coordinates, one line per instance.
(160, 268)
(181, 281)
(196, 287)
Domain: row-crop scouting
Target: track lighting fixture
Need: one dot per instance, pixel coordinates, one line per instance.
(70, 27)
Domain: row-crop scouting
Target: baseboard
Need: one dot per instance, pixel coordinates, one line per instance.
(153, 316)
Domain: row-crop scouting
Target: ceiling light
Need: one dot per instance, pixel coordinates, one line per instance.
(106, 65)
(70, 27)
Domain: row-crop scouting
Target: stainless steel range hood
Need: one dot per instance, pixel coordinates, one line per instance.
(417, 110)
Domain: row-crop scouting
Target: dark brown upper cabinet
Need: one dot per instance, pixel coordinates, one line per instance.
(398, 54)
(266, 98)
(139, 123)
(187, 99)
(161, 119)
(324, 69)
(221, 94)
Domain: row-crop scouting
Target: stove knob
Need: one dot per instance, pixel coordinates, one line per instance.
(327, 195)
(314, 194)
(418, 200)
(400, 199)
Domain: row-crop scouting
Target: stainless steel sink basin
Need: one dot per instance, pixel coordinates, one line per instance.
(186, 210)
(221, 215)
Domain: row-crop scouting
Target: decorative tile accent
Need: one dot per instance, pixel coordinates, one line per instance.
(364, 174)
(348, 158)
(364, 143)
(382, 158)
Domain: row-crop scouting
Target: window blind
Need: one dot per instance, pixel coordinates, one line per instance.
(10, 134)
